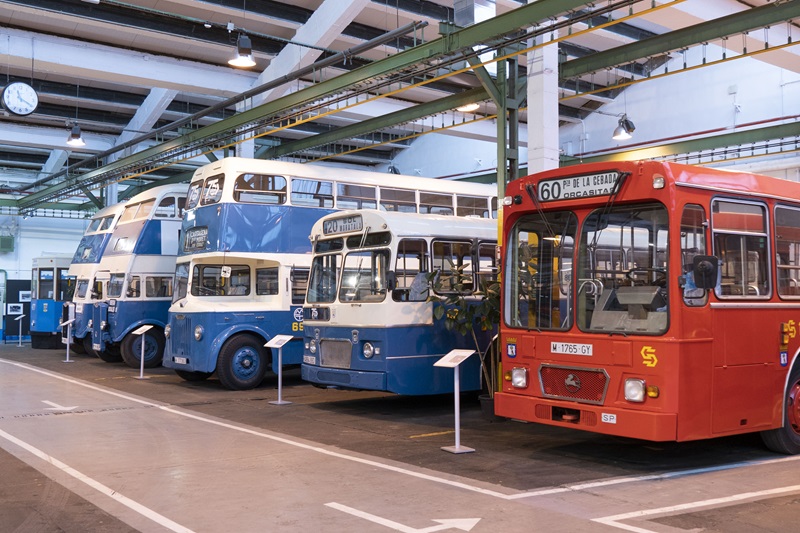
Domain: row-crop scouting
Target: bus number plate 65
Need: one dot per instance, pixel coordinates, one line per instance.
(571, 348)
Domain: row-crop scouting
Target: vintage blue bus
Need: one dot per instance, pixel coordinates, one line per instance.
(242, 269)
(135, 276)
(83, 268)
(51, 287)
(368, 321)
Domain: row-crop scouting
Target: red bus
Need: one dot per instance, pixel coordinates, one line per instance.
(652, 300)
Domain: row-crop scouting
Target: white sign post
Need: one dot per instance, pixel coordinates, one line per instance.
(141, 331)
(68, 323)
(277, 342)
(453, 360)
(19, 319)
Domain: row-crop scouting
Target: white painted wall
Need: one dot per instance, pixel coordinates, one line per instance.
(37, 236)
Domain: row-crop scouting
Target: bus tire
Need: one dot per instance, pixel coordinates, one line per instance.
(154, 342)
(786, 439)
(110, 354)
(193, 376)
(242, 362)
(77, 348)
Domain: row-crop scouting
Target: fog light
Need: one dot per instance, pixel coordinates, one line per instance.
(519, 377)
(312, 346)
(634, 390)
(198, 333)
(167, 331)
(368, 350)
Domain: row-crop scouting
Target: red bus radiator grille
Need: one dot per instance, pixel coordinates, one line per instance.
(585, 385)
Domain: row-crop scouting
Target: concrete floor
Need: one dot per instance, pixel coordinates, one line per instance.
(85, 446)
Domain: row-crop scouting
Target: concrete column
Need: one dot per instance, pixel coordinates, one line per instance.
(543, 107)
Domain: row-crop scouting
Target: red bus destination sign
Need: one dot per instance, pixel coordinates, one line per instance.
(578, 186)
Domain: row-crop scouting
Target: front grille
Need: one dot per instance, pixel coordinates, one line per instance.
(585, 385)
(335, 353)
(331, 377)
(180, 335)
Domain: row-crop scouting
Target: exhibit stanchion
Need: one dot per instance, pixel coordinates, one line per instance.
(453, 360)
(141, 331)
(19, 319)
(68, 323)
(277, 342)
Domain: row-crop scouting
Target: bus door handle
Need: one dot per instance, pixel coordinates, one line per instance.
(259, 318)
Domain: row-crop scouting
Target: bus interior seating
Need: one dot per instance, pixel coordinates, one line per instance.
(629, 308)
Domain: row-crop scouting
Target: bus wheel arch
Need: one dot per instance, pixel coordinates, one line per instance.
(131, 348)
(786, 439)
(242, 362)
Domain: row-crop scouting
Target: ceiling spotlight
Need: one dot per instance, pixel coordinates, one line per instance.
(468, 107)
(75, 138)
(206, 25)
(91, 1)
(624, 129)
(244, 53)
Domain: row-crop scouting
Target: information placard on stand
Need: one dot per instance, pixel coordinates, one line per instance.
(453, 360)
(141, 331)
(277, 342)
(66, 340)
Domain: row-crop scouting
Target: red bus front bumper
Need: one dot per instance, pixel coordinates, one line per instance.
(608, 420)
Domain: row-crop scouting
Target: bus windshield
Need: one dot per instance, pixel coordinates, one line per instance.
(622, 270)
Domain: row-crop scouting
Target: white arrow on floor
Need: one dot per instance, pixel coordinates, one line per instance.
(56, 407)
(463, 524)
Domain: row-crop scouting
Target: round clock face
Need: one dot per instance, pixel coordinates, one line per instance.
(20, 98)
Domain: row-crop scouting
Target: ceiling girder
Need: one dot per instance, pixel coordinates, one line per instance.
(756, 17)
(446, 45)
(738, 138)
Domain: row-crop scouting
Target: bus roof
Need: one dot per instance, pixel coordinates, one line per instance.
(300, 170)
(413, 224)
(158, 192)
(722, 180)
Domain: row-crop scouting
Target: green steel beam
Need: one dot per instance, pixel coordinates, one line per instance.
(465, 38)
(737, 138)
(378, 123)
(749, 19)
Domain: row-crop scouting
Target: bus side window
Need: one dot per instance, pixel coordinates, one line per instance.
(166, 208)
(267, 281)
(299, 279)
(740, 241)
(400, 200)
(312, 193)
(260, 189)
(693, 242)
(475, 206)
(435, 203)
(453, 260)
(134, 287)
(158, 286)
(787, 250)
(355, 196)
(410, 268)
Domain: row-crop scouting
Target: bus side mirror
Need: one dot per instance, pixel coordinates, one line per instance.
(705, 270)
(391, 280)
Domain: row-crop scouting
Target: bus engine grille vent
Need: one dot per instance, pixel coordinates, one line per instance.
(335, 353)
(584, 385)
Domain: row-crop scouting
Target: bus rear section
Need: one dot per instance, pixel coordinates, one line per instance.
(654, 301)
(368, 323)
(51, 287)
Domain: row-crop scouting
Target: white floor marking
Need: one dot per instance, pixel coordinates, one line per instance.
(615, 519)
(127, 502)
(464, 524)
(411, 473)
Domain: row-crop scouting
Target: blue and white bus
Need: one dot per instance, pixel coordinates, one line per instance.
(242, 269)
(84, 266)
(51, 287)
(135, 277)
(368, 323)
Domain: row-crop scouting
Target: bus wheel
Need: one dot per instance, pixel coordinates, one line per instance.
(193, 376)
(786, 439)
(242, 363)
(153, 348)
(77, 347)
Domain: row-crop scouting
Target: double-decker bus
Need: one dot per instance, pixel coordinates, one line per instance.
(368, 322)
(84, 267)
(134, 279)
(51, 287)
(652, 300)
(242, 269)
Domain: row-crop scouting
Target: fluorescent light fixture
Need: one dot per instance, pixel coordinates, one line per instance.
(468, 107)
